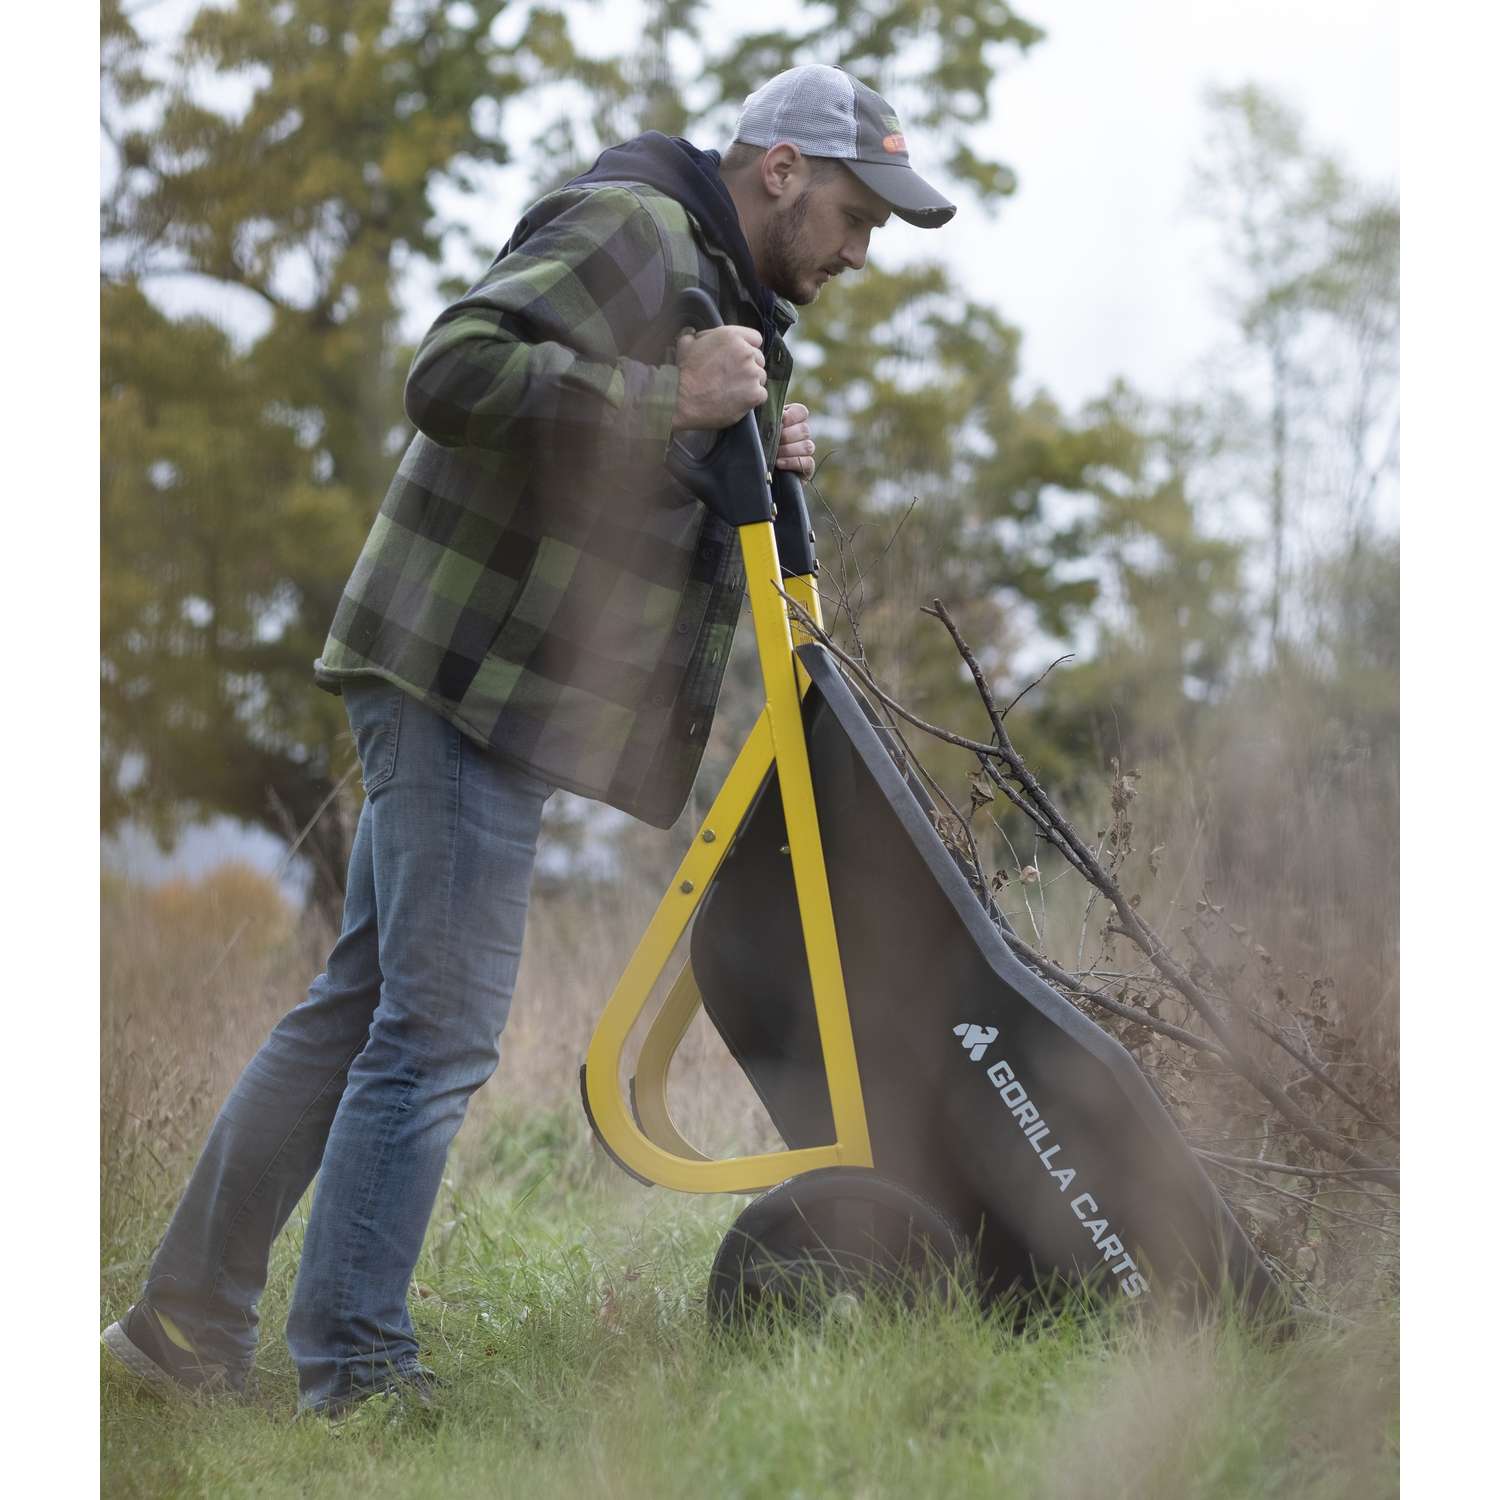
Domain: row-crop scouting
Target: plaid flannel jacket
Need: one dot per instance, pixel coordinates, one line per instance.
(534, 575)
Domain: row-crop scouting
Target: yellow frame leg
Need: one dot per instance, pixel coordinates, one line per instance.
(669, 1026)
(649, 1086)
(659, 1153)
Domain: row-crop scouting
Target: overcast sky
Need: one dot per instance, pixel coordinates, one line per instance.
(1096, 259)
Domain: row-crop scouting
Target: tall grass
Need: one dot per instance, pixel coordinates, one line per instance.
(564, 1304)
(196, 975)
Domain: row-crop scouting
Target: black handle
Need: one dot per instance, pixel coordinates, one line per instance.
(730, 479)
(795, 542)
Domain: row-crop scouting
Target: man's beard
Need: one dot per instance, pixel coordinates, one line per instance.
(784, 254)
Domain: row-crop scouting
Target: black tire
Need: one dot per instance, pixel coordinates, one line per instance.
(819, 1239)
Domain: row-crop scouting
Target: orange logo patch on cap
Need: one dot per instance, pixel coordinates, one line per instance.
(895, 143)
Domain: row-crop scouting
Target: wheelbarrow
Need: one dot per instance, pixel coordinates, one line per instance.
(946, 1113)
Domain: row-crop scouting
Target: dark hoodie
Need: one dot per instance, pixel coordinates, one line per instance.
(680, 170)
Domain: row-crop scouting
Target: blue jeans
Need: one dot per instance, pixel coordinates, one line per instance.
(369, 1077)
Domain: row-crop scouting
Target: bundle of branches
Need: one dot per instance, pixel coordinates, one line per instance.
(1263, 1077)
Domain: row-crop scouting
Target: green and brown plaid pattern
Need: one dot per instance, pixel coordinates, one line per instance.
(533, 574)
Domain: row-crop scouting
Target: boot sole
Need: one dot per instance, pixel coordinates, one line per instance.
(137, 1361)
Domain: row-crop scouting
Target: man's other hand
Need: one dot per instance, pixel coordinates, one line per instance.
(721, 376)
(797, 447)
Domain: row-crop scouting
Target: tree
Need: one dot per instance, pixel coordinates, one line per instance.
(242, 469)
(238, 481)
(1170, 619)
(241, 472)
(943, 52)
(938, 480)
(1312, 260)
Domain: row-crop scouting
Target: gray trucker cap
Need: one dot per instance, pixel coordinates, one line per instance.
(824, 112)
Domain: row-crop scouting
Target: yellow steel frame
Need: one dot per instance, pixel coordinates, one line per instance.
(654, 1148)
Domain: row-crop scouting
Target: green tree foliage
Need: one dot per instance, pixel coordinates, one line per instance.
(241, 472)
(938, 56)
(302, 156)
(217, 537)
(1168, 623)
(939, 482)
(239, 481)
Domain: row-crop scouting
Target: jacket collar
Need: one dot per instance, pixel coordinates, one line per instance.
(690, 176)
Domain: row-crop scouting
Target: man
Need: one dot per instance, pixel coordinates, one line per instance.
(538, 605)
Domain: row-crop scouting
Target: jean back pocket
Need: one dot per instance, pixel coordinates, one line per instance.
(374, 710)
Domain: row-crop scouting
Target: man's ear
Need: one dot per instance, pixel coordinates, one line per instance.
(780, 168)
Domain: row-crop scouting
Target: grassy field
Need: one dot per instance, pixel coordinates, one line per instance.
(563, 1304)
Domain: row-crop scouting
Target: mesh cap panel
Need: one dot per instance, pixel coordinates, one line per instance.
(825, 112)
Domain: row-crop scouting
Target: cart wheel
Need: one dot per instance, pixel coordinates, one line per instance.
(817, 1242)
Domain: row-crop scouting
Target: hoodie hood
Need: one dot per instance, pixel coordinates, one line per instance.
(680, 170)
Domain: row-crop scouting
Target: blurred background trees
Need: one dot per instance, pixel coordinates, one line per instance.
(1222, 566)
(289, 153)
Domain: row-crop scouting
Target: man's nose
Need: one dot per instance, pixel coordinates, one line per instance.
(854, 251)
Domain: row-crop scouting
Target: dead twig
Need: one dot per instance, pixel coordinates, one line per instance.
(1312, 1203)
(1134, 927)
(1068, 656)
(1284, 1168)
(1071, 982)
(1305, 1056)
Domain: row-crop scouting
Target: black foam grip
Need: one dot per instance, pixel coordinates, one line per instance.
(794, 533)
(730, 479)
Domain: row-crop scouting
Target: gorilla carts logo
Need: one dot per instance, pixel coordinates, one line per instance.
(1016, 1098)
(975, 1038)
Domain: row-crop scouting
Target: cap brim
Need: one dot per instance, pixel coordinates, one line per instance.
(911, 198)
